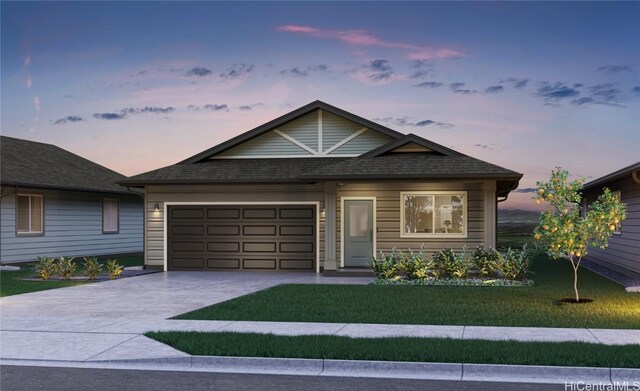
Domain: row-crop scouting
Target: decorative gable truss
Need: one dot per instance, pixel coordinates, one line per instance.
(316, 134)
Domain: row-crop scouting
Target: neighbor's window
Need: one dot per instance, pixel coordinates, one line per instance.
(433, 214)
(109, 216)
(29, 214)
(618, 230)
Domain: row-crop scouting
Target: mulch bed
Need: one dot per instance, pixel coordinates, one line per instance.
(101, 277)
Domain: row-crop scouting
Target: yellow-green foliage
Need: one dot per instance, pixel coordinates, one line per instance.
(113, 269)
(569, 232)
(92, 267)
(44, 268)
(65, 267)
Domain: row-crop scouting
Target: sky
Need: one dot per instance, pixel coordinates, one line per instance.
(136, 86)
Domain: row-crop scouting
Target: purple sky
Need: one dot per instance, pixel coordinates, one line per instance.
(138, 86)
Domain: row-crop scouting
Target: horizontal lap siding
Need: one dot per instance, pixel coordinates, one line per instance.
(220, 193)
(388, 215)
(73, 226)
(623, 251)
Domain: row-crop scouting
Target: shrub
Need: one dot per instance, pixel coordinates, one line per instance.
(385, 265)
(92, 267)
(113, 269)
(454, 265)
(65, 267)
(44, 268)
(485, 261)
(514, 264)
(415, 266)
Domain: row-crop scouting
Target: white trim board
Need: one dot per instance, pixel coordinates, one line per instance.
(375, 224)
(177, 203)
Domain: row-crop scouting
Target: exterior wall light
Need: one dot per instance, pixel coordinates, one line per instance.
(156, 207)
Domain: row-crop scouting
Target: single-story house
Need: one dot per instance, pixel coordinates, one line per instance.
(55, 203)
(317, 189)
(623, 252)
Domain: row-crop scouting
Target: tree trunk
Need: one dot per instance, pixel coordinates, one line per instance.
(575, 281)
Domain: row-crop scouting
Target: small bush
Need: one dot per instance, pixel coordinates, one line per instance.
(514, 264)
(92, 267)
(65, 267)
(454, 265)
(486, 261)
(44, 268)
(113, 269)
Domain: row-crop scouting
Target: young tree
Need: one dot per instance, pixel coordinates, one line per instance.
(565, 229)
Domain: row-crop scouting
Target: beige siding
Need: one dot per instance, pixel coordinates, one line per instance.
(219, 193)
(388, 214)
(623, 252)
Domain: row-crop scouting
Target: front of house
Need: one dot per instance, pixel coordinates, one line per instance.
(317, 189)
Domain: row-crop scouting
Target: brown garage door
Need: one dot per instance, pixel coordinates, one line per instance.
(243, 237)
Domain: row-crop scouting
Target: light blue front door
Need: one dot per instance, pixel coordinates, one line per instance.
(358, 233)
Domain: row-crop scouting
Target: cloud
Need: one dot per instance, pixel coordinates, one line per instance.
(378, 69)
(420, 74)
(636, 90)
(109, 116)
(428, 122)
(458, 88)
(318, 68)
(556, 91)
(147, 109)
(525, 190)
(494, 89)
(606, 91)
(404, 121)
(294, 72)
(245, 108)
(582, 101)
(429, 84)
(611, 69)
(517, 83)
(367, 39)
(69, 119)
(237, 71)
(213, 107)
(199, 71)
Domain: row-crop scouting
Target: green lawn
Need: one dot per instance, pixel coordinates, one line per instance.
(488, 306)
(402, 349)
(11, 283)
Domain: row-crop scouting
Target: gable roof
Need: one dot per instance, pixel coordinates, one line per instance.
(287, 118)
(27, 163)
(411, 139)
(621, 173)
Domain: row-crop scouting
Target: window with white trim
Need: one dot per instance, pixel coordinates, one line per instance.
(426, 214)
(29, 214)
(618, 229)
(110, 216)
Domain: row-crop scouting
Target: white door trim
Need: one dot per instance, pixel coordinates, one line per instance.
(316, 203)
(375, 224)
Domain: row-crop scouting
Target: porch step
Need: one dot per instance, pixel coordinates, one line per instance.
(349, 272)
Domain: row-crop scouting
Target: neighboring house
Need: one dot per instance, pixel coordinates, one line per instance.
(623, 252)
(317, 189)
(55, 203)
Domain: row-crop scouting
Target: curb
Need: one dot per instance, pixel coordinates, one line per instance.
(356, 368)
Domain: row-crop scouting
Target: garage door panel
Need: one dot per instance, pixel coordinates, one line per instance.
(188, 263)
(258, 263)
(223, 247)
(223, 230)
(216, 263)
(224, 213)
(259, 230)
(296, 264)
(302, 247)
(238, 237)
(297, 230)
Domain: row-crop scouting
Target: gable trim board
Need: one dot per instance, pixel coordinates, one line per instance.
(320, 155)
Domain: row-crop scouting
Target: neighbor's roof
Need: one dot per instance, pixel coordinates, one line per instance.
(612, 176)
(381, 163)
(27, 163)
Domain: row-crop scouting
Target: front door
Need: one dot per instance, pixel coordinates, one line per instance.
(358, 232)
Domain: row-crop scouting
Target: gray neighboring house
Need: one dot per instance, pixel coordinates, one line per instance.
(56, 203)
(317, 189)
(623, 253)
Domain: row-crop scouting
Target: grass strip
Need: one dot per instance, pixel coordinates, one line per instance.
(401, 349)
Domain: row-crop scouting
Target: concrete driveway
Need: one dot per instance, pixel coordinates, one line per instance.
(105, 320)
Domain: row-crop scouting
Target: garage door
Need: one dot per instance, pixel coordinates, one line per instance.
(243, 237)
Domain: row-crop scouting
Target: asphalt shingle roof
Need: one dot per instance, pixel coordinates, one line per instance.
(33, 164)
